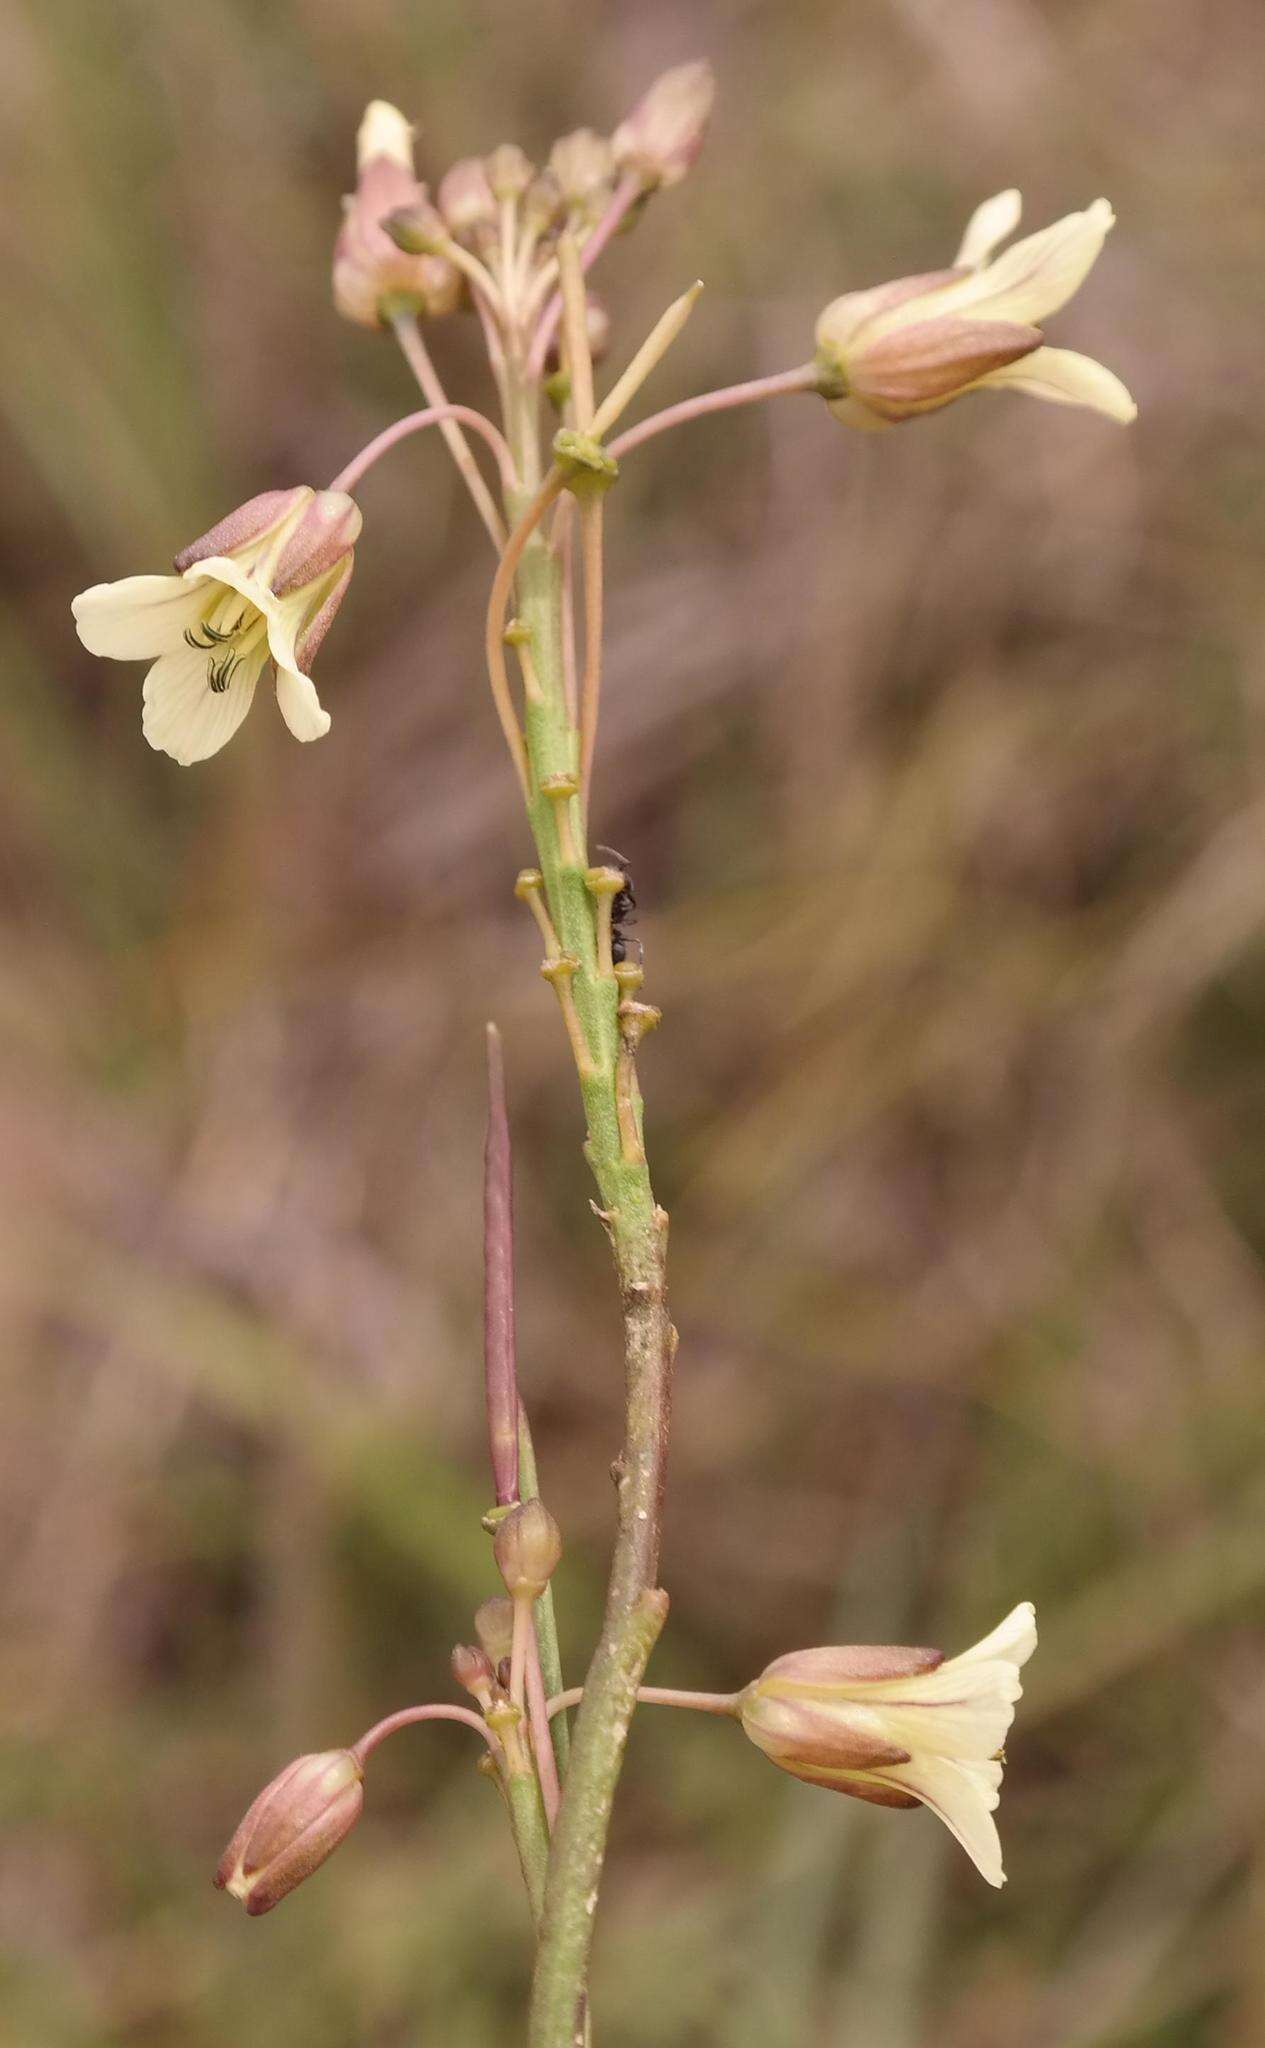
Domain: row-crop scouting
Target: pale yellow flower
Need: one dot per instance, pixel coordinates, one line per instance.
(916, 344)
(900, 1726)
(261, 587)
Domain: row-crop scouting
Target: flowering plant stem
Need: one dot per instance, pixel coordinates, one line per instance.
(637, 1229)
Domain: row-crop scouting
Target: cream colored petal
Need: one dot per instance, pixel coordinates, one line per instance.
(1014, 1638)
(990, 224)
(236, 576)
(970, 1729)
(301, 708)
(184, 716)
(964, 1797)
(1034, 277)
(1066, 378)
(138, 618)
(854, 414)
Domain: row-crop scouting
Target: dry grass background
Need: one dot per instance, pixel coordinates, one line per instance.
(941, 763)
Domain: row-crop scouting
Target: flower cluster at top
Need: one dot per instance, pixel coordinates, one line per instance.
(513, 243)
(489, 237)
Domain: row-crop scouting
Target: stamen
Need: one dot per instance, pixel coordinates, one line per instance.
(220, 674)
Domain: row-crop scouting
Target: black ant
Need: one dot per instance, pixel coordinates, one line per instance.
(623, 908)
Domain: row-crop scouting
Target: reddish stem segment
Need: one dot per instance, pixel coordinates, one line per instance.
(659, 1696)
(407, 1715)
(414, 423)
(732, 395)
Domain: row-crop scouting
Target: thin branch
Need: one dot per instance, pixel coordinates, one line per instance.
(802, 379)
(575, 332)
(659, 1696)
(415, 423)
(626, 192)
(417, 355)
(407, 1715)
(542, 1734)
(498, 605)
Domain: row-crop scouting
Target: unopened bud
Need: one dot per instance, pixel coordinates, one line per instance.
(472, 1669)
(494, 1626)
(465, 197)
(509, 172)
(543, 203)
(664, 133)
(417, 229)
(372, 274)
(527, 1547)
(384, 132)
(584, 166)
(296, 1822)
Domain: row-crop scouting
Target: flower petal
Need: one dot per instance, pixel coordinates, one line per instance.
(1014, 1639)
(137, 618)
(1033, 278)
(964, 1797)
(301, 708)
(990, 224)
(1066, 378)
(854, 414)
(184, 716)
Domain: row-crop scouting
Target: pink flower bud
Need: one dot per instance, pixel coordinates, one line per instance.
(466, 199)
(509, 171)
(372, 275)
(296, 1822)
(527, 1547)
(664, 133)
(472, 1669)
(584, 166)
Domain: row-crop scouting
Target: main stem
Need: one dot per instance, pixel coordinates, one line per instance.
(637, 1230)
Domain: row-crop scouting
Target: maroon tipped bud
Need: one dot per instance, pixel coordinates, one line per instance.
(527, 1547)
(296, 1822)
(472, 1669)
(663, 135)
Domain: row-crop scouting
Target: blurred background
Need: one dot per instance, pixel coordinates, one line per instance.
(940, 761)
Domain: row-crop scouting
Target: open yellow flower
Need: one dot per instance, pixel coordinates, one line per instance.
(261, 587)
(900, 1727)
(914, 345)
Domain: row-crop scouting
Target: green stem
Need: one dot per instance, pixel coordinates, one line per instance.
(531, 1836)
(637, 1230)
